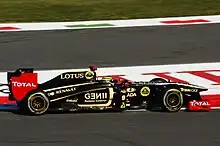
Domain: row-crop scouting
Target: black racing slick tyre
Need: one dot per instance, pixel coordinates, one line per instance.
(158, 80)
(172, 100)
(35, 104)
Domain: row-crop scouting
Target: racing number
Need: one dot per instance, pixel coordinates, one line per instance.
(123, 102)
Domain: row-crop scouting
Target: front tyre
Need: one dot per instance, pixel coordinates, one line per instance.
(172, 100)
(35, 104)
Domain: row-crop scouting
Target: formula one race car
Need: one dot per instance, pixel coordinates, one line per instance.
(80, 90)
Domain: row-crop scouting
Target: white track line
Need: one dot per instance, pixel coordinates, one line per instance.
(4, 27)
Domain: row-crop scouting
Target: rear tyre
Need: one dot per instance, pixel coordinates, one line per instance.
(172, 100)
(35, 104)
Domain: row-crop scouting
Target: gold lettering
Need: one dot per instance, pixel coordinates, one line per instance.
(188, 90)
(65, 90)
(97, 96)
(72, 76)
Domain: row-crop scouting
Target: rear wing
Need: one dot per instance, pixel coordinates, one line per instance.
(20, 82)
(24, 80)
(18, 72)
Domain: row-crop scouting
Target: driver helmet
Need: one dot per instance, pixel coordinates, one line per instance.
(93, 68)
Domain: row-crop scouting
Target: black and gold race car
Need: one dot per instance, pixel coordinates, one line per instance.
(82, 90)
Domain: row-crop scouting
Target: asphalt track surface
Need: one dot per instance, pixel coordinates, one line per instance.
(110, 47)
(104, 47)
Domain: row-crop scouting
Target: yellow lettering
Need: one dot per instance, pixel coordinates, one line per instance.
(91, 96)
(123, 105)
(72, 76)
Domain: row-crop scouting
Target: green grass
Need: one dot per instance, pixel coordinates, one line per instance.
(75, 10)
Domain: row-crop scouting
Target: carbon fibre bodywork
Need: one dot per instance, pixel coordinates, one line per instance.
(77, 89)
(153, 93)
(82, 90)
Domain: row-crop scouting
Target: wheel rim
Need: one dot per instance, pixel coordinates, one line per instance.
(173, 100)
(38, 103)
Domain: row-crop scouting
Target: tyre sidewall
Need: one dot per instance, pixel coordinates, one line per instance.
(31, 97)
(166, 96)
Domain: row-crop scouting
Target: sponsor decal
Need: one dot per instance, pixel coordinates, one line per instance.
(131, 94)
(23, 84)
(96, 97)
(51, 94)
(188, 90)
(123, 97)
(145, 91)
(64, 90)
(72, 76)
(123, 91)
(131, 89)
(61, 91)
(71, 100)
(4, 90)
(199, 103)
(89, 75)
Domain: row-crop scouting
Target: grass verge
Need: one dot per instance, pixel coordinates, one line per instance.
(77, 10)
